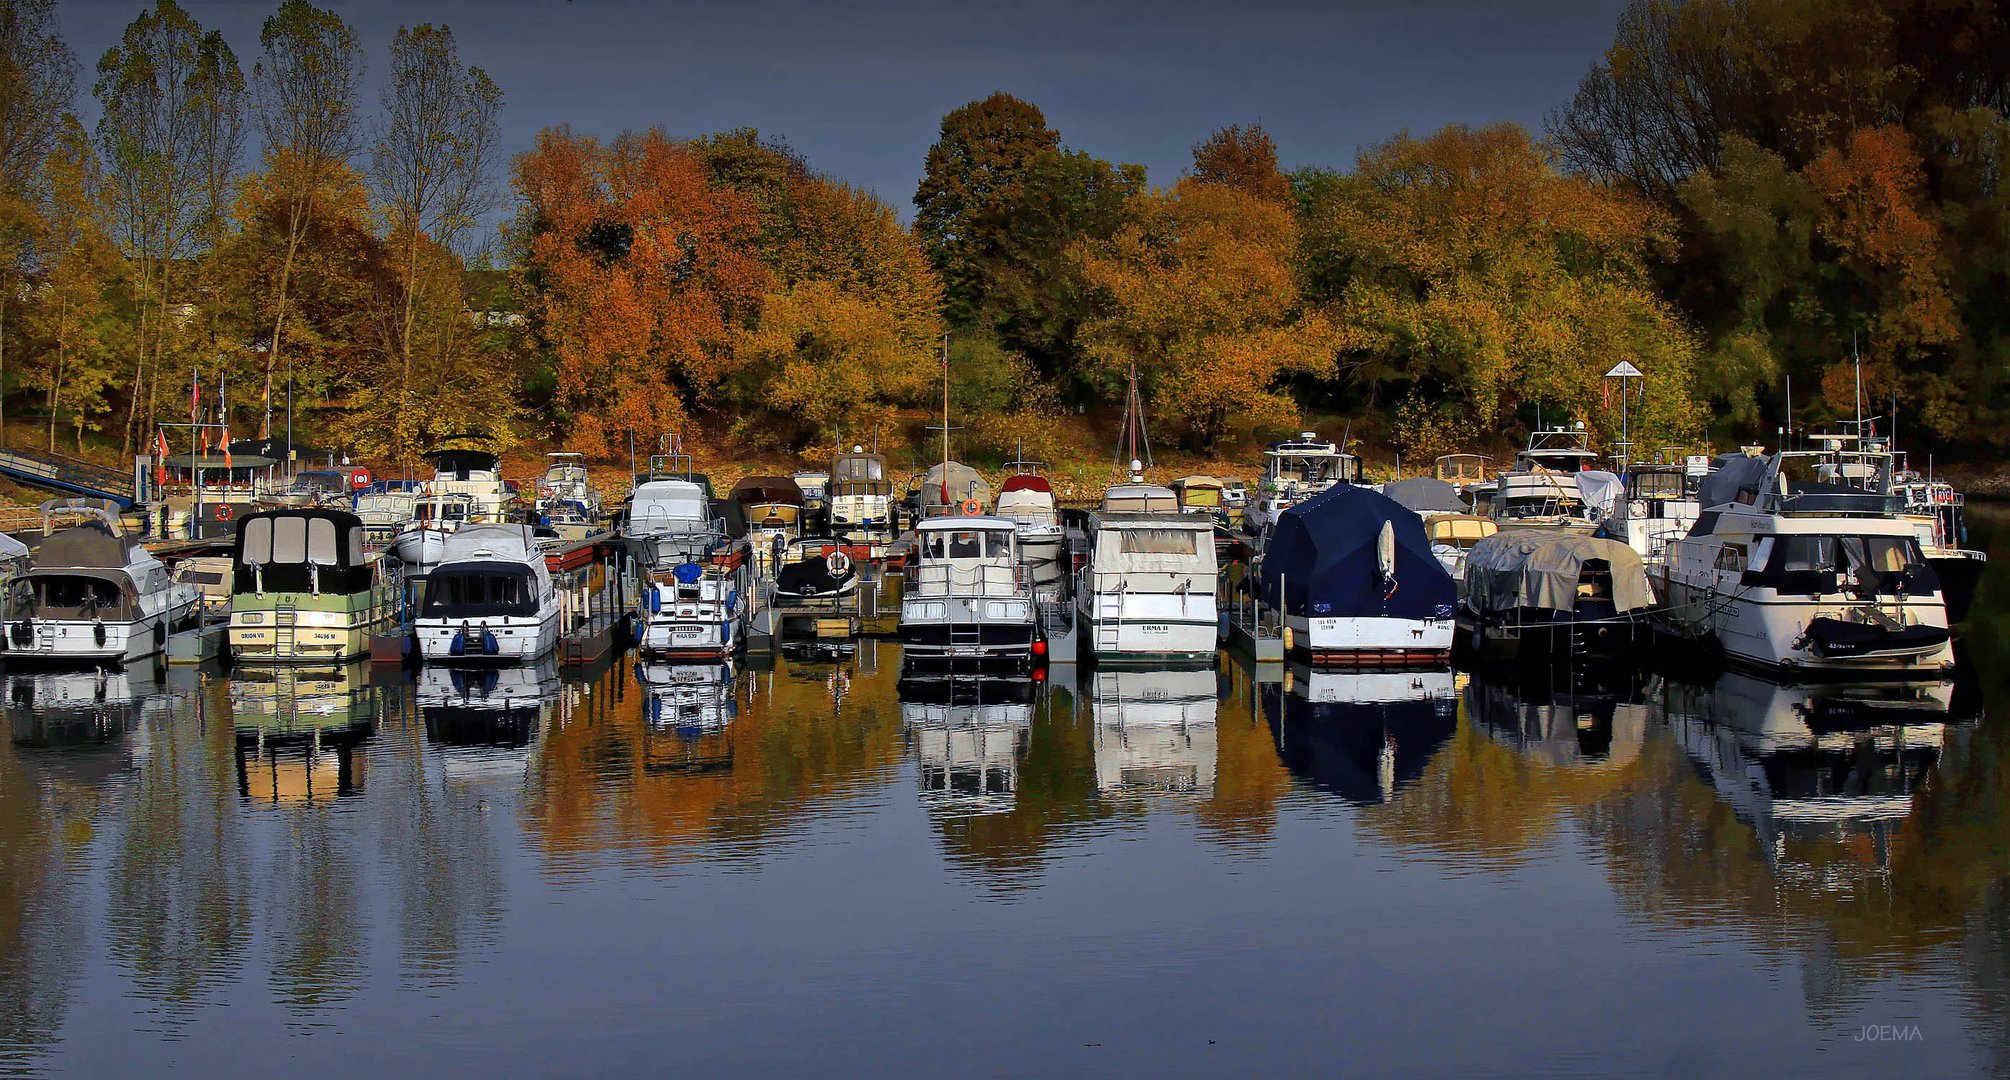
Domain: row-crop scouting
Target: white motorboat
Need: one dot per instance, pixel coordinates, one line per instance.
(423, 541)
(1939, 517)
(92, 594)
(693, 609)
(670, 522)
(1801, 563)
(860, 499)
(1156, 731)
(490, 599)
(967, 597)
(566, 502)
(1295, 470)
(1148, 591)
(385, 514)
(1659, 505)
(1544, 488)
(1027, 500)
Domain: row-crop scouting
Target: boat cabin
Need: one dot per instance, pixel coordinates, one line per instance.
(1140, 499)
(301, 551)
(1198, 494)
(1308, 461)
(1028, 499)
(1461, 469)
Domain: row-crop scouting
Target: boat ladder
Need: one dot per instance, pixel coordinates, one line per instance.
(1110, 627)
(966, 636)
(283, 620)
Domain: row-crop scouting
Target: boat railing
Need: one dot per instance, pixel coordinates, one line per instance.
(981, 579)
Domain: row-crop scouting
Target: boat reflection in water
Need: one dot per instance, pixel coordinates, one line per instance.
(486, 719)
(1155, 731)
(1812, 763)
(1561, 721)
(91, 722)
(692, 700)
(1363, 736)
(300, 728)
(968, 736)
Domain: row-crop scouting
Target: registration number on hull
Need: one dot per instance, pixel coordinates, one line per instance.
(1154, 628)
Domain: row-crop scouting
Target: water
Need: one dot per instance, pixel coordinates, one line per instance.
(824, 870)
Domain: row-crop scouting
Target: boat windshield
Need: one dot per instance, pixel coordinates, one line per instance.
(451, 510)
(1656, 485)
(967, 544)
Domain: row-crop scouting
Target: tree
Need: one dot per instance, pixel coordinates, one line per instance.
(73, 317)
(1483, 279)
(1201, 293)
(432, 162)
(170, 133)
(38, 85)
(976, 173)
(307, 93)
(1242, 158)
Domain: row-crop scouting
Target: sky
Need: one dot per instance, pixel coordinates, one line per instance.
(860, 88)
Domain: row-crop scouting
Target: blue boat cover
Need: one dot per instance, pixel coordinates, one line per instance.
(1324, 550)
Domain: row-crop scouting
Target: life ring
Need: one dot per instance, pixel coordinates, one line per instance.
(838, 563)
(972, 508)
(223, 512)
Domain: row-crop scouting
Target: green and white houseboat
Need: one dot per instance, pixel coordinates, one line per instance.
(304, 588)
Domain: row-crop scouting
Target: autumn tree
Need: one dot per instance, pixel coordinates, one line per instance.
(169, 93)
(432, 162)
(1478, 276)
(74, 319)
(1201, 292)
(975, 174)
(38, 78)
(1244, 158)
(307, 94)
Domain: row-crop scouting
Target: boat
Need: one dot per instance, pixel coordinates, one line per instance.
(1234, 501)
(92, 594)
(968, 737)
(1136, 497)
(1939, 517)
(670, 522)
(423, 540)
(693, 609)
(1543, 594)
(1452, 529)
(1198, 494)
(566, 502)
(967, 597)
(305, 588)
(1800, 563)
(1295, 470)
(861, 506)
(815, 487)
(1360, 736)
(1544, 488)
(950, 489)
(1148, 590)
(476, 474)
(1658, 505)
(1352, 574)
(385, 512)
(814, 569)
(1461, 470)
(772, 507)
(490, 599)
(1155, 731)
(1027, 500)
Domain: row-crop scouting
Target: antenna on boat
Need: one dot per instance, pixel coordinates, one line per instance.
(945, 419)
(1857, 359)
(1789, 429)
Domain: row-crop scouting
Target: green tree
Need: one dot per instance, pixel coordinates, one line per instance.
(38, 85)
(976, 173)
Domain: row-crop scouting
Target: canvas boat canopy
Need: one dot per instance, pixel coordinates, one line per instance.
(1730, 474)
(301, 551)
(1426, 495)
(11, 550)
(510, 542)
(91, 545)
(1153, 543)
(1600, 489)
(1541, 570)
(767, 490)
(1353, 552)
(965, 483)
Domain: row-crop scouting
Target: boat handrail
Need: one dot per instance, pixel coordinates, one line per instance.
(981, 579)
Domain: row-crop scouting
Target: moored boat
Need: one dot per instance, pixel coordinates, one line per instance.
(490, 599)
(1148, 591)
(1542, 594)
(693, 609)
(967, 597)
(92, 594)
(304, 588)
(1295, 470)
(861, 506)
(671, 521)
(1352, 575)
(1027, 500)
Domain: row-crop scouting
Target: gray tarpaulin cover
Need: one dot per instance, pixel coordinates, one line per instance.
(1426, 495)
(1600, 489)
(1729, 473)
(88, 545)
(1538, 568)
(11, 549)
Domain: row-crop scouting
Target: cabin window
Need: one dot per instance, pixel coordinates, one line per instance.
(1159, 541)
(258, 540)
(457, 595)
(1806, 554)
(356, 555)
(289, 540)
(969, 544)
(321, 542)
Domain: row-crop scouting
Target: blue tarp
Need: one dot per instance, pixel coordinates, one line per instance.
(1324, 549)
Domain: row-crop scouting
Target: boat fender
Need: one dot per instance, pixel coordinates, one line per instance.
(655, 600)
(1287, 639)
(459, 645)
(98, 632)
(489, 644)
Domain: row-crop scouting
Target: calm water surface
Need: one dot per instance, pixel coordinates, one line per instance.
(825, 869)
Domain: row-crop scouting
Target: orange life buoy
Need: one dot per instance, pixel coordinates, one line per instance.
(972, 508)
(223, 512)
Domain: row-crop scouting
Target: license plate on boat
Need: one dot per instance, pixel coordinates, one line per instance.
(1155, 628)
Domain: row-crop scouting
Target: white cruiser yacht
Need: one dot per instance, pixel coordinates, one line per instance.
(695, 610)
(423, 540)
(860, 499)
(1295, 470)
(1939, 517)
(1658, 505)
(1148, 591)
(670, 522)
(92, 594)
(967, 597)
(1027, 499)
(566, 502)
(1155, 731)
(1544, 486)
(385, 514)
(1800, 563)
(490, 599)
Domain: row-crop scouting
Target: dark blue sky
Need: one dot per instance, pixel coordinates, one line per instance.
(860, 88)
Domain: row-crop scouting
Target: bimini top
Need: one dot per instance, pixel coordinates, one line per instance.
(300, 551)
(1026, 482)
(11, 549)
(1539, 569)
(464, 464)
(1426, 495)
(93, 545)
(502, 543)
(760, 490)
(1353, 552)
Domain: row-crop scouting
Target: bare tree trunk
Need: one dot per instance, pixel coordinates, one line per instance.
(295, 226)
(62, 355)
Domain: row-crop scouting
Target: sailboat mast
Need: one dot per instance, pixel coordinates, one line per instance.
(945, 419)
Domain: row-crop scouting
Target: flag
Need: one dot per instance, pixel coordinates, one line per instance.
(194, 398)
(227, 466)
(160, 458)
(266, 431)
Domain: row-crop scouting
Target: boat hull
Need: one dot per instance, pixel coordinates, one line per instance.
(1368, 641)
(488, 639)
(298, 627)
(1772, 633)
